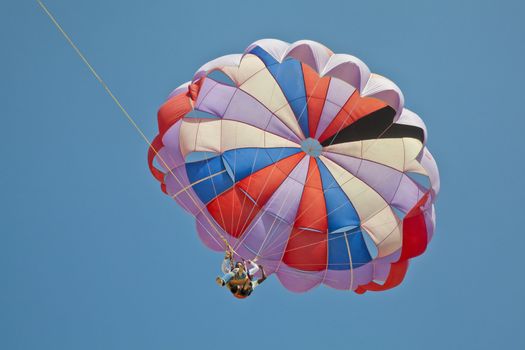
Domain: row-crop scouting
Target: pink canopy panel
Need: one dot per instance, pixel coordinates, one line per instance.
(303, 159)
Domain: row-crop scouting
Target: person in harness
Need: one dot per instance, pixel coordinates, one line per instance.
(239, 279)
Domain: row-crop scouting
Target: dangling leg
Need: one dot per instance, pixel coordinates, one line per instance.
(227, 269)
(221, 281)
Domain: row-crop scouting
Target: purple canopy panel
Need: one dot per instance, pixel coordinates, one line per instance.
(408, 194)
(266, 237)
(338, 93)
(208, 232)
(171, 153)
(382, 265)
(214, 97)
(298, 281)
(285, 200)
(349, 279)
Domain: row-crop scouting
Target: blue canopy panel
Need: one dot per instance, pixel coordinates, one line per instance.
(289, 76)
(264, 56)
(242, 162)
(341, 214)
(212, 175)
(338, 246)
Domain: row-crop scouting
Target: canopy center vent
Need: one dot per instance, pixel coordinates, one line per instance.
(311, 147)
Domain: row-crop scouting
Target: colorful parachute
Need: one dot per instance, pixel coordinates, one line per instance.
(303, 159)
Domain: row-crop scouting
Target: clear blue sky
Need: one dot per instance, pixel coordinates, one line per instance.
(94, 256)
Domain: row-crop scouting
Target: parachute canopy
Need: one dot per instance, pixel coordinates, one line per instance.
(304, 159)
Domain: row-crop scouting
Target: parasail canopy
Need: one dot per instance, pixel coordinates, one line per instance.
(304, 159)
